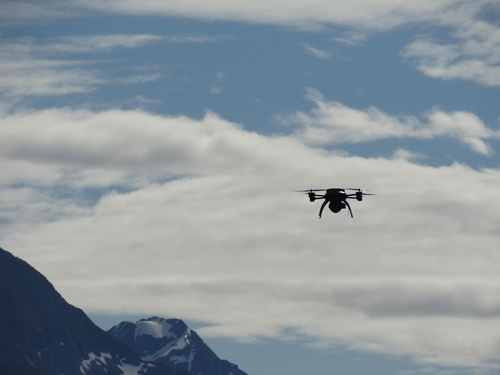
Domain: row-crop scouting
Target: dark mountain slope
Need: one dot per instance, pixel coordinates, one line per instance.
(42, 334)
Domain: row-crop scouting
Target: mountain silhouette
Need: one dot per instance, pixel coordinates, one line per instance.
(41, 334)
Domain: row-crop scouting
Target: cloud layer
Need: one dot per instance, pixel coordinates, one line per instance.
(298, 13)
(471, 54)
(334, 123)
(30, 67)
(230, 244)
(468, 49)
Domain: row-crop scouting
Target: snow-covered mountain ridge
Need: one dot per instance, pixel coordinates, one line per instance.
(171, 342)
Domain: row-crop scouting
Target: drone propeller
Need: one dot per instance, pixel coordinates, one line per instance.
(309, 190)
(362, 191)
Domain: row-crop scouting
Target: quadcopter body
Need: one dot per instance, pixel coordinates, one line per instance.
(336, 198)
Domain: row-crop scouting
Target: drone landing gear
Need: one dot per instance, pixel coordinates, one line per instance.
(349, 207)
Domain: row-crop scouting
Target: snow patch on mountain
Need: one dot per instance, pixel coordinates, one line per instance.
(154, 328)
(176, 359)
(178, 344)
(129, 369)
(93, 358)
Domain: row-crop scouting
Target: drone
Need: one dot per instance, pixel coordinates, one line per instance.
(336, 197)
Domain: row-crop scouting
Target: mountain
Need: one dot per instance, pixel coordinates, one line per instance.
(172, 343)
(41, 334)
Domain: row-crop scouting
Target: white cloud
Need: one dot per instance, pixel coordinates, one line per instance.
(335, 123)
(380, 15)
(451, 62)
(96, 43)
(118, 139)
(306, 14)
(45, 77)
(25, 11)
(32, 67)
(407, 155)
(414, 273)
(473, 53)
(220, 80)
(74, 44)
(192, 38)
(351, 38)
(142, 78)
(45, 66)
(319, 53)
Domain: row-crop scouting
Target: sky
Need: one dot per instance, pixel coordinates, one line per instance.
(150, 154)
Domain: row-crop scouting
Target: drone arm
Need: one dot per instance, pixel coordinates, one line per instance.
(322, 207)
(349, 207)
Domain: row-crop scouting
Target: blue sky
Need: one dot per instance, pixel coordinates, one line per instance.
(150, 150)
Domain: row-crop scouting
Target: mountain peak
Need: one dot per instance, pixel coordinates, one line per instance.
(171, 342)
(159, 328)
